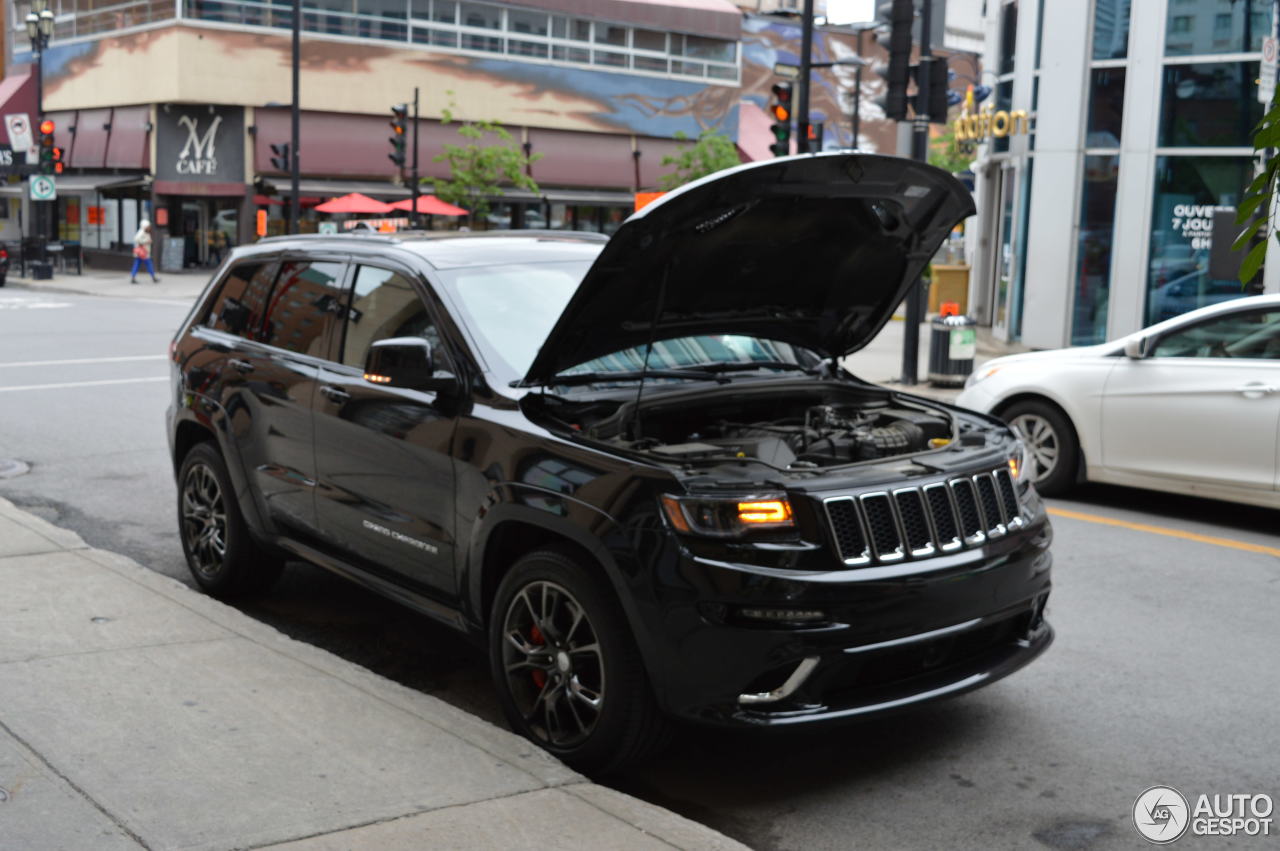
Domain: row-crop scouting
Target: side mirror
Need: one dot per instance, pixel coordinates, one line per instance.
(405, 362)
(1137, 348)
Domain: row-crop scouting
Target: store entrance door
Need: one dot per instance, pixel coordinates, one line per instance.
(195, 229)
(208, 227)
(1003, 262)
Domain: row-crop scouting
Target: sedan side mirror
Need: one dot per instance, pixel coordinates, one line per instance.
(1137, 348)
(405, 362)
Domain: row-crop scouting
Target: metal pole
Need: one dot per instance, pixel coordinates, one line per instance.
(919, 151)
(806, 70)
(294, 121)
(857, 98)
(39, 48)
(413, 190)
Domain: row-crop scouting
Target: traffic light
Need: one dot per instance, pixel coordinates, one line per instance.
(57, 160)
(780, 112)
(399, 120)
(280, 157)
(815, 136)
(47, 161)
(894, 18)
(936, 69)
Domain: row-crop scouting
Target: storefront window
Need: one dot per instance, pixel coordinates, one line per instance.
(1004, 101)
(1209, 105)
(1008, 37)
(1093, 259)
(1106, 107)
(1213, 26)
(1188, 192)
(1111, 29)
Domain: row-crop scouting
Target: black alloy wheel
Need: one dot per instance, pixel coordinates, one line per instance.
(222, 555)
(568, 672)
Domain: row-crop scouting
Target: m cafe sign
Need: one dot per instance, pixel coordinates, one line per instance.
(200, 144)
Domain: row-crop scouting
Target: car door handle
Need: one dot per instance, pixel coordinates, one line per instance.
(1255, 389)
(242, 365)
(335, 394)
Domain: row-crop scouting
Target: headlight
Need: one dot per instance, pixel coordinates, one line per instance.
(728, 517)
(1018, 460)
(980, 374)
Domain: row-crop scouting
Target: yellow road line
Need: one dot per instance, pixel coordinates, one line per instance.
(1164, 530)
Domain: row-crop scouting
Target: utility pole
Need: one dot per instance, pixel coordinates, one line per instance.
(413, 189)
(294, 120)
(920, 152)
(806, 72)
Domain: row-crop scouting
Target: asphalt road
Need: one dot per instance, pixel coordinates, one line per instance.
(1163, 671)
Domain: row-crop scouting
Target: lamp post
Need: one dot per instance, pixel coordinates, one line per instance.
(39, 29)
(39, 23)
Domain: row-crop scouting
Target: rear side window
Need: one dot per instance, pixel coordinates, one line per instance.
(304, 305)
(242, 300)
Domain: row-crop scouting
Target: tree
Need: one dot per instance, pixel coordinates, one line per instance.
(946, 152)
(712, 151)
(1255, 210)
(478, 170)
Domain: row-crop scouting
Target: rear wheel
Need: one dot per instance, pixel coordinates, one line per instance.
(567, 670)
(222, 555)
(1052, 448)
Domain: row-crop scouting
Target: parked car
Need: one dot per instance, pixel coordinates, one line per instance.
(1190, 405)
(632, 468)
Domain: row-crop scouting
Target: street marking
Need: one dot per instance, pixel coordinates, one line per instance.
(37, 303)
(1164, 530)
(82, 384)
(83, 360)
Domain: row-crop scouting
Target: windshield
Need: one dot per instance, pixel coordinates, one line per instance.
(512, 308)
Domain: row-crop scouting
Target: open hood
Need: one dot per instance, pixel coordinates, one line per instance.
(815, 250)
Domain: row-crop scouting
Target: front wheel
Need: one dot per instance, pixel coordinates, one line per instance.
(221, 553)
(567, 670)
(1052, 448)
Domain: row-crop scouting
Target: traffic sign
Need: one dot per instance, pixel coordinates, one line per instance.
(43, 187)
(1267, 76)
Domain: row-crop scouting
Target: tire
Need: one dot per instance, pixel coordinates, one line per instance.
(1052, 445)
(548, 600)
(221, 553)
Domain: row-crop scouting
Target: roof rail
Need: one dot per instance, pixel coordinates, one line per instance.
(369, 235)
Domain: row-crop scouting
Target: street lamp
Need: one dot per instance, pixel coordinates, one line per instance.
(39, 23)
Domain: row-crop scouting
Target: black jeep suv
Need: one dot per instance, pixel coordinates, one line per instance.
(634, 467)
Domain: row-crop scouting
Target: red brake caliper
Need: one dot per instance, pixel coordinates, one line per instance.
(539, 676)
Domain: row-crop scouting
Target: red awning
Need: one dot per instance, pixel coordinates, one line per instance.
(431, 205)
(18, 94)
(128, 145)
(89, 149)
(353, 203)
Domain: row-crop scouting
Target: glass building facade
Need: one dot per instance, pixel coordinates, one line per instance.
(1141, 140)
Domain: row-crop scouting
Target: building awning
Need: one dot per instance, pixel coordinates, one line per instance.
(68, 183)
(198, 189)
(754, 136)
(337, 188)
(128, 144)
(714, 18)
(88, 145)
(18, 94)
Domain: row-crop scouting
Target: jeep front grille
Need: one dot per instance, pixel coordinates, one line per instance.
(887, 526)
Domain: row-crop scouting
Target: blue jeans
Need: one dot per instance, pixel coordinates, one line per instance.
(138, 261)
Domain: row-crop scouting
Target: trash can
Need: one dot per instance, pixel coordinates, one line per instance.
(953, 342)
(41, 270)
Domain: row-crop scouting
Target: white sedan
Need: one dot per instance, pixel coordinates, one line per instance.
(1191, 405)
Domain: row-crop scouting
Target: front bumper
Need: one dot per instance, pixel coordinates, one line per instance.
(889, 638)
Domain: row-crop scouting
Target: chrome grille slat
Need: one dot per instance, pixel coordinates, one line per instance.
(885, 527)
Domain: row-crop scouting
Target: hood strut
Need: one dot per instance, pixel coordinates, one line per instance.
(648, 349)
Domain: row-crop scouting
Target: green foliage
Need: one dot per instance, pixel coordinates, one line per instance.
(478, 168)
(946, 152)
(1255, 210)
(709, 153)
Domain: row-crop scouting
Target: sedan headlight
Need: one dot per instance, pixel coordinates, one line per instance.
(728, 516)
(980, 375)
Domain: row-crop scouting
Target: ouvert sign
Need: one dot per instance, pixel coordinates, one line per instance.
(200, 143)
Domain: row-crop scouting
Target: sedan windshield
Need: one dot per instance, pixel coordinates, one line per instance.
(512, 308)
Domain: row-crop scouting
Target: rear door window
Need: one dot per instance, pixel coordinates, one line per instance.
(304, 305)
(242, 300)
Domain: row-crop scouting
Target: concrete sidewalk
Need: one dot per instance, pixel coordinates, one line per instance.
(177, 285)
(137, 713)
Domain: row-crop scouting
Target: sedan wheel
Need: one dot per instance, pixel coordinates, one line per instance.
(1052, 448)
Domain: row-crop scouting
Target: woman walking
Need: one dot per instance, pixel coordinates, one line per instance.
(142, 252)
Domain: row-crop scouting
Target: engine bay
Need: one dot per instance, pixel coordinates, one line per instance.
(788, 431)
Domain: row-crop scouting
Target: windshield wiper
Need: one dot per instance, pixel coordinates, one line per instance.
(569, 379)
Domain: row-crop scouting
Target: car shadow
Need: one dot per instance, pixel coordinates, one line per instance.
(1172, 507)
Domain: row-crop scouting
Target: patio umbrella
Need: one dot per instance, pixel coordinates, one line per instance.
(353, 203)
(430, 205)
